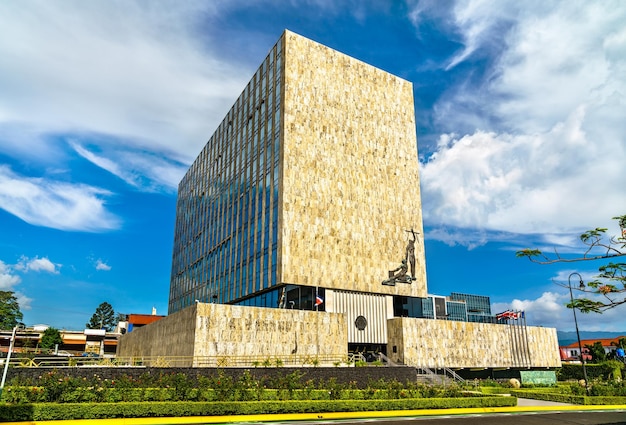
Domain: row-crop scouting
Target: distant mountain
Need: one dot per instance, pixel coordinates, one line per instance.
(567, 338)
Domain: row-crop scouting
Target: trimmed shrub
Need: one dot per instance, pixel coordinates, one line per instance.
(571, 371)
(68, 411)
(571, 398)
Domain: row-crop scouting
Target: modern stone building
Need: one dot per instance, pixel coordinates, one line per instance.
(301, 219)
(310, 181)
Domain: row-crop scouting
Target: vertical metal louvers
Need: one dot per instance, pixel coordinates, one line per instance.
(366, 315)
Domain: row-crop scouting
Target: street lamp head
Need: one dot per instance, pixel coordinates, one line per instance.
(581, 284)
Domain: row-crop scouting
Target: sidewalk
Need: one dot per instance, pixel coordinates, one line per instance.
(529, 402)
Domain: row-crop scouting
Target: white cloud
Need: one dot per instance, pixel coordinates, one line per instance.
(558, 62)
(549, 310)
(523, 183)
(37, 265)
(7, 279)
(105, 163)
(141, 72)
(100, 265)
(55, 204)
(549, 148)
(136, 86)
(140, 169)
(477, 18)
(23, 301)
(464, 237)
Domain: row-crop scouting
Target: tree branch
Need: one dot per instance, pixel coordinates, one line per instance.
(572, 260)
(611, 276)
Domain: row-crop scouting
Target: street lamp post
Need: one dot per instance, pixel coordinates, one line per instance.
(6, 362)
(580, 347)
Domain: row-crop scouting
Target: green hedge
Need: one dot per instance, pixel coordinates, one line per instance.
(606, 400)
(571, 371)
(18, 394)
(494, 390)
(570, 398)
(65, 411)
(550, 396)
(53, 386)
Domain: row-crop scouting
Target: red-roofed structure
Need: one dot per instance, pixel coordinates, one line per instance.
(138, 320)
(571, 352)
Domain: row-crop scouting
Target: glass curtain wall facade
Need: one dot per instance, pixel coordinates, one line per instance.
(226, 231)
(296, 297)
(478, 307)
(458, 307)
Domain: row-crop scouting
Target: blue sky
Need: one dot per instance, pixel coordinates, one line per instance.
(521, 129)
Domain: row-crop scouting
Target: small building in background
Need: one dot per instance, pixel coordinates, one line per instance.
(135, 321)
(571, 353)
(93, 342)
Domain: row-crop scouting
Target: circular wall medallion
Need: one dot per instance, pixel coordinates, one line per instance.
(360, 323)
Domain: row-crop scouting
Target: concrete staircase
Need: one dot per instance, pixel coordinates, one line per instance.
(445, 377)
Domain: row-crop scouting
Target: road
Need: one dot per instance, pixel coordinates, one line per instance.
(542, 418)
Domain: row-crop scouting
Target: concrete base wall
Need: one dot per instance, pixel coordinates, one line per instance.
(446, 343)
(173, 335)
(361, 376)
(218, 330)
(226, 330)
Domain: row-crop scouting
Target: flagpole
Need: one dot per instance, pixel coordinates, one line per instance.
(318, 300)
(526, 337)
(513, 338)
(317, 325)
(520, 343)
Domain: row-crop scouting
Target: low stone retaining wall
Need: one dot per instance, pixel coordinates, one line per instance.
(360, 375)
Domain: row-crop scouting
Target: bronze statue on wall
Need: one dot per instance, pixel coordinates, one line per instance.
(410, 252)
(399, 275)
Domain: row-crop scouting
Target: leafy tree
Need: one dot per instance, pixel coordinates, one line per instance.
(615, 368)
(597, 352)
(50, 338)
(10, 314)
(610, 283)
(621, 343)
(103, 318)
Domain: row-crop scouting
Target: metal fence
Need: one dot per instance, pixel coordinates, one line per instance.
(188, 361)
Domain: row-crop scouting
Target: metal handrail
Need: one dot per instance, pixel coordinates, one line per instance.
(447, 373)
(454, 375)
(190, 361)
(383, 358)
(57, 362)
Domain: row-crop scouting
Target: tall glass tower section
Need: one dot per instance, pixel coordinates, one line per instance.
(225, 239)
(308, 187)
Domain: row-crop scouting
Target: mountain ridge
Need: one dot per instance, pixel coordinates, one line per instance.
(569, 337)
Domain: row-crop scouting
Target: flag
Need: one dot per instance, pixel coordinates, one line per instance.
(509, 314)
(318, 300)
